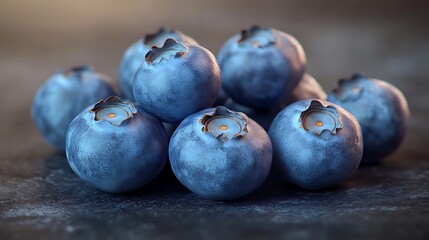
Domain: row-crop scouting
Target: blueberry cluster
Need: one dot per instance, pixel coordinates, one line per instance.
(221, 142)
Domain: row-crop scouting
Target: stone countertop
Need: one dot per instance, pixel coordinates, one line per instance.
(41, 198)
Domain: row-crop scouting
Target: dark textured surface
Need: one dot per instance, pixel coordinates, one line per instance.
(46, 199)
(41, 198)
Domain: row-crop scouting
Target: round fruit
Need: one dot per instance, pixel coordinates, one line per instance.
(116, 147)
(62, 97)
(261, 66)
(381, 110)
(220, 154)
(316, 144)
(134, 56)
(177, 80)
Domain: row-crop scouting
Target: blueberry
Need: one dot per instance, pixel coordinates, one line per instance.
(261, 66)
(115, 146)
(316, 144)
(62, 97)
(220, 154)
(307, 88)
(134, 56)
(381, 110)
(177, 80)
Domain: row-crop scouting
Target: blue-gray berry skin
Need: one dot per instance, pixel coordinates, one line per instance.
(381, 110)
(220, 154)
(63, 96)
(177, 80)
(115, 146)
(316, 144)
(307, 88)
(135, 54)
(261, 66)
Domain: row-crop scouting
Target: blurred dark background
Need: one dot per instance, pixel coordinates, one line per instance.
(384, 39)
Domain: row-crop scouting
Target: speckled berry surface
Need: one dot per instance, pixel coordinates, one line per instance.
(134, 56)
(115, 146)
(381, 110)
(177, 80)
(63, 96)
(316, 144)
(260, 66)
(220, 154)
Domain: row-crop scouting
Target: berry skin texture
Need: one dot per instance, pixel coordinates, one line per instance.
(219, 154)
(116, 147)
(381, 110)
(316, 144)
(261, 66)
(177, 80)
(135, 54)
(63, 96)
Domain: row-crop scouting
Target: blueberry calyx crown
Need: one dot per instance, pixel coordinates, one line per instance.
(225, 124)
(153, 39)
(318, 118)
(170, 49)
(113, 110)
(350, 89)
(257, 37)
(77, 71)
